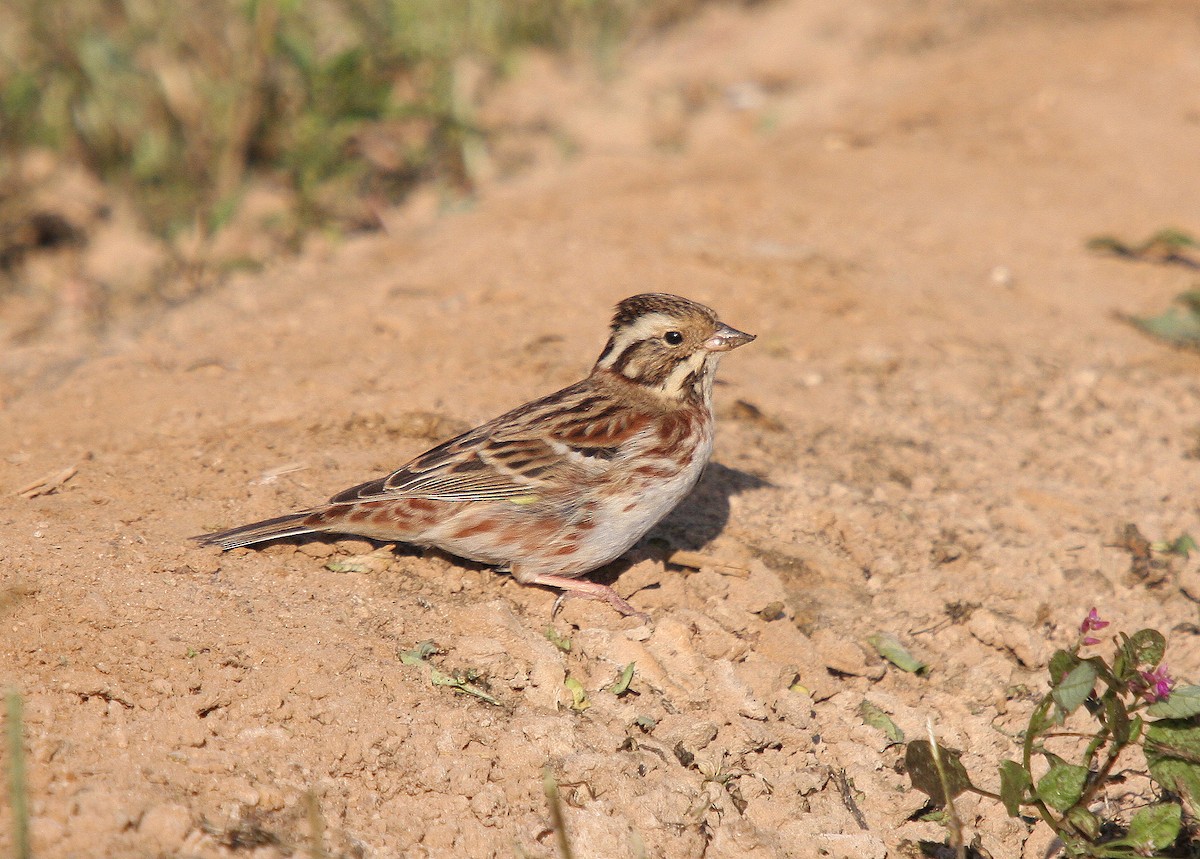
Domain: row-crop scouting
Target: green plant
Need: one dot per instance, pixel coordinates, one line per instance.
(333, 97)
(1166, 246)
(1176, 326)
(1129, 701)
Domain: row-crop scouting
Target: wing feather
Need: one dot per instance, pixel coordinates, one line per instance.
(559, 440)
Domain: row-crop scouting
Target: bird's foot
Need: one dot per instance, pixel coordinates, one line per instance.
(589, 590)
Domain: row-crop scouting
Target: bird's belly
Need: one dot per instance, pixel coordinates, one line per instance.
(573, 539)
(623, 516)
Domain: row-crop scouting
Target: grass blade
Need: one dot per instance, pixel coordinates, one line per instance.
(557, 818)
(18, 792)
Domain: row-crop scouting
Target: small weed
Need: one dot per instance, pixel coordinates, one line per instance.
(1169, 246)
(560, 641)
(1178, 327)
(890, 648)
(467, 682)
(579, 697)
(1131, 702)
(1182, 545)
(621, 686)
(875, 717)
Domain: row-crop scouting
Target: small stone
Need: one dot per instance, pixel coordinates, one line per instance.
(315, 549)
(1007, 633)
(487, 802)
(845, 656)
(241, 792)
(772, 611)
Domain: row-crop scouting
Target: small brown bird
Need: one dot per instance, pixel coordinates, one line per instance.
(562, 485)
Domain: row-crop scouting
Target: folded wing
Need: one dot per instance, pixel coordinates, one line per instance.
(559, 441)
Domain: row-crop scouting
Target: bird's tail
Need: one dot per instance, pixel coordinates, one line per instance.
(269, 529)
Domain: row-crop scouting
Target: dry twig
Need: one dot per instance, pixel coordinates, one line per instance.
(48, 483)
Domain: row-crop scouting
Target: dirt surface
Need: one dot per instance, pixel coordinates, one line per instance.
(939, 434)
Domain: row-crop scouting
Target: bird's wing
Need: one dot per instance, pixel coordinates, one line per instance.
(555, 442)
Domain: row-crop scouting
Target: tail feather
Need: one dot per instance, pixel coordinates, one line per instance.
(290, 525)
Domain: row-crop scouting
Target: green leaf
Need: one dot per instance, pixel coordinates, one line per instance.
(560, 641)
(1136, 725)
(923, 772)
(1176, 738)
(1174, 239)
(1084, 821)
(876, 718)
(1183, 704)
(579, 698)
(1148, 645)
(890, 648)
(1015, 783)
(1172, 748)
(1074, 689)
(1175, 327)
(1060, 665)
(1144, 647)
(646, 723)
(418, 654)
(1116, 717)
(1061, 787)
(1184, 544)
(626, 677)
(1103, 672)
(440, 678)
(1180, 778)
(1155, 827)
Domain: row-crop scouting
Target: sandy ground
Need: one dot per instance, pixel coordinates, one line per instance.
(938, 434)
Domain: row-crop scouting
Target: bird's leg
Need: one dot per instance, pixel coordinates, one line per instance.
(587, 590)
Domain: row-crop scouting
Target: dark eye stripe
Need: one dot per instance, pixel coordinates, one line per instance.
(628, 355)
(654, 374)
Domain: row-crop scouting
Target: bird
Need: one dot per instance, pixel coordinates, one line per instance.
(562, 485)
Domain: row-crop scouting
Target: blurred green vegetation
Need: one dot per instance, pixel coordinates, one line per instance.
(177, 105)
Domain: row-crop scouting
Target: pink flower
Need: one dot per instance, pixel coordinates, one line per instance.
(1091, 623)
(1156, 685)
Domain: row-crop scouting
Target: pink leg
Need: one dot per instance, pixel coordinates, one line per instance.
(588, 590)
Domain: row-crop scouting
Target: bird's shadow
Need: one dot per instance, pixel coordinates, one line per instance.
(692, 525)
(705, 513)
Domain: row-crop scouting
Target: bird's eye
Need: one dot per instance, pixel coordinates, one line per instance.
(673, 338)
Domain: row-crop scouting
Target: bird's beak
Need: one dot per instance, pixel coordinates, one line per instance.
(727, 338)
